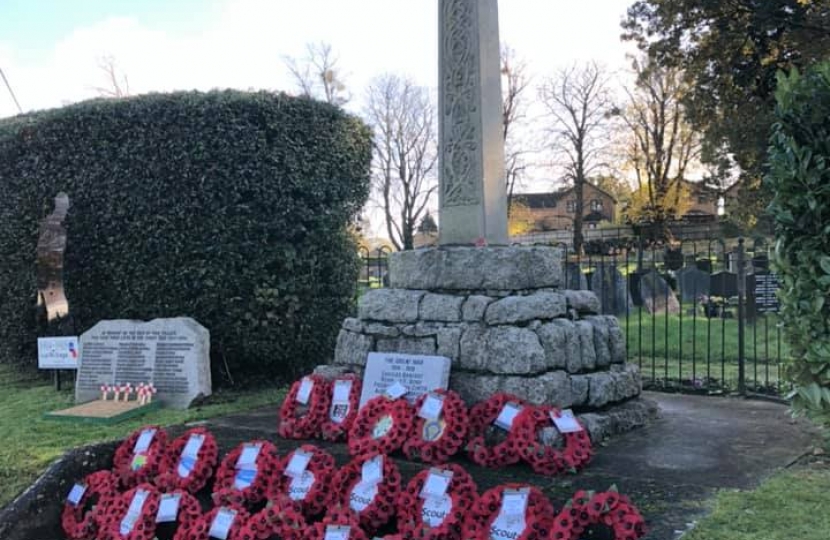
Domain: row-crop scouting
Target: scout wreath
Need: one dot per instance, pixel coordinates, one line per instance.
(545, 459)
(374, 503)
(483, 518)
(304, 409)
(242, 484)
(382, 425)
(434, 440)
(189, 510)
(341, 415)
(311, 493)
(488, 445)
(279, 518)
(188, 472)
(200, 528)
(337, 517)
(138, 458)
(144, 525)
(80, 520)
(437, 519)
(607, 509)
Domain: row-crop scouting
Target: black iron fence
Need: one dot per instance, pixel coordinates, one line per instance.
(700, 315)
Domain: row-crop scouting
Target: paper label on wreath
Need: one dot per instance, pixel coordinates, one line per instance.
(244, 478)
(194, 444)
(300, 486)
(337, 532)
(76, 494)
(503, 529)
(431, 407)
(338, 412)
(433, 430)
(185, 466)
(382, 426)
(304, 392)
(138, 461)
(566, 422)
(222, 523)
(435, 510)
(248, 456)
(371, 472)
(436, 484)
(298, 463)
(133, 512)
(342, 391)
(362, 496)
(144, 440)
(168, 507)
(396, 390)
(507, 415)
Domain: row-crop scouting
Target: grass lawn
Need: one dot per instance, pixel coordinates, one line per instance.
(30, 443)
(793, 504)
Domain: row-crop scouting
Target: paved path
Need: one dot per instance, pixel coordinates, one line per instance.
(669, 469)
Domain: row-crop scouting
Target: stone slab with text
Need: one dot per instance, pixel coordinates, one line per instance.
(173, 354)
(418, 373)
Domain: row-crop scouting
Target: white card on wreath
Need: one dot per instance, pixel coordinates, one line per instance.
(298, 463)
(396, 390)
(342, 391)
(222, 523)
(194, 444)
(507, 415)
(133, 512)
(566, 422)
(304, 392)
(337, 532)
(145, 439)
(372, 470)
(436, 484)
(76, 494)
(431, 407)
(168, 507)
(248, 456)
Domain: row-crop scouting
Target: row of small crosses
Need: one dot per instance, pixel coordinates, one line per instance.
(122, 392)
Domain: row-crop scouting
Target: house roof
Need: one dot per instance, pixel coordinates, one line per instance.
(549, 200)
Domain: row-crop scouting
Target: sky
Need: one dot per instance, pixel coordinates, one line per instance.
(50, 50)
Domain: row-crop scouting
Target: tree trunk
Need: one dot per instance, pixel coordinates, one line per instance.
(578, 213)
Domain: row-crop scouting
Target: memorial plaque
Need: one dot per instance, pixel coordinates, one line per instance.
(766, 289)
(173, 354)
(419, 374)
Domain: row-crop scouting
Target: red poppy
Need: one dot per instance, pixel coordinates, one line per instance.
(374, 501)
(441, 518)
(435, 440)
(200, 529)
(303, 420)
(280, 518)
(312, 491)
(544, 459)
(239, 482)
(188, 472)
(382, 425)
(138, 458)
(119, 524)
(341, 415)
(482, 418)
(81, 519)
(609, 509)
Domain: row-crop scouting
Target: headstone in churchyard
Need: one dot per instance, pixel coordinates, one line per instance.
(51, 245)
(693, 283)
(763, 287)
(173, 354)
(656, 294)
(418, 373)
(724, 284)
(575, 278)
(610, 286)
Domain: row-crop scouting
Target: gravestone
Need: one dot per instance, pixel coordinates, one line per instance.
(173, 354)
(610, 286)
(762, 288)
(656, 294)
(693, 283)
(418, 373)
(724, 284)
(575, 279)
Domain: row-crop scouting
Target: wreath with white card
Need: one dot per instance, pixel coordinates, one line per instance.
(510, 512)
(569, 448)
(177, 511)
(132, 515)
(440, 427)
(608, 509)
(222, 523)
(305, 479)
(345, 397)
(492, 440)
(138, 458)
(434, 504)
(280, 518)
(383, 424)
(245, 473)
(189, 461)
(305, 408)
(86, 504)
(369, 486)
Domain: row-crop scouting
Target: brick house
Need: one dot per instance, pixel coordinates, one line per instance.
(555, 211)
(703, 200)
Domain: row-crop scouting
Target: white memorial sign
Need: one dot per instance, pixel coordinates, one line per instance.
(418, 373)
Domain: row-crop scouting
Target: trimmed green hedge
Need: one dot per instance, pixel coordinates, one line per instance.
(229, 207)
(799, 161)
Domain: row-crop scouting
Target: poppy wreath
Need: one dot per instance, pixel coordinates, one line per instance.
(169, 478)
(393, 416)
(337, 515)
(125, 465)
(338, 431)
(280, 518)
(298, 421)
(144, 527)
(314, 499)
(189, 512)
(462, 492)
(607, 508)
(451, 428)
(382, 507)
(482, 416)
(548, 460)
(538, 515)
(267, 463)
(82, 521)
(200, 528)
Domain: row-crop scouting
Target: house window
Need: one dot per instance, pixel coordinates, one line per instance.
(596, 205)
(571, 206)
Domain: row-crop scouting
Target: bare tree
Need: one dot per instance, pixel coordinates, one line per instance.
(117, 85)
(578, 105)
(661, 145)
(318, 74)
(515, 82)
(405, 153)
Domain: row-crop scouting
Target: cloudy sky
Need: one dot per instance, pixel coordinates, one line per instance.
(50, 49)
